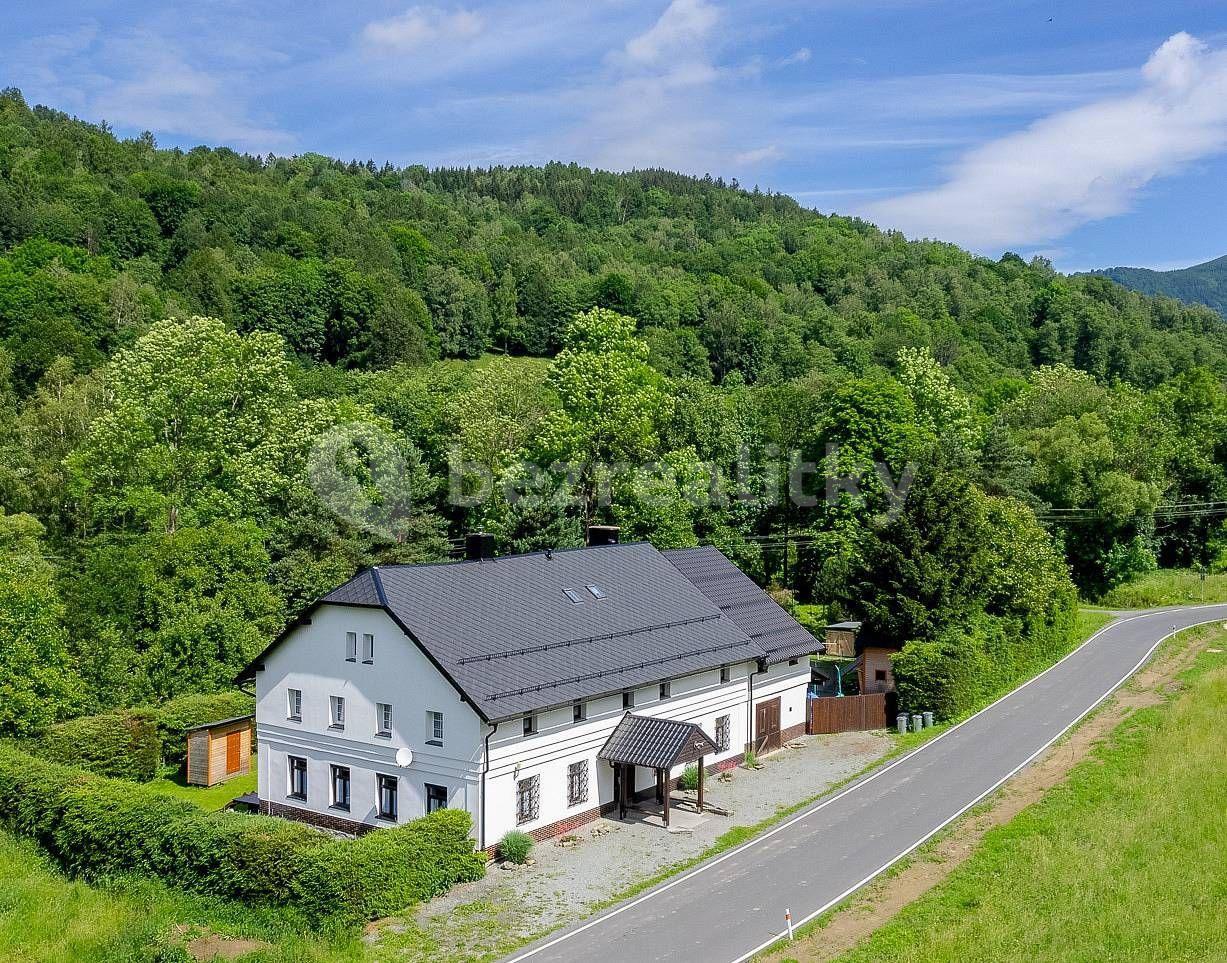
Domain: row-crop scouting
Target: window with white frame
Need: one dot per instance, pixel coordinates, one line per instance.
(528, 799)
(577, 783)
(383, 718)
(579, 710)
(368, 648)
(337, 712)
(340, 787)
(628, 699)
(434, 728)
(297, 788)
(293, 709)
(722, 733)
(725, 674)
(530, 724)
(351, 646)
(666, 690)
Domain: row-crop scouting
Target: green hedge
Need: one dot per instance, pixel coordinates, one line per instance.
(124, 744)
(95, 826)
(388, 869)
(135, 743)
(178, 715)
(967, 668)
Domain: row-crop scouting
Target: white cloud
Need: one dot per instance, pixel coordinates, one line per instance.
(141, 80)
(419, 27)
(684, 22)
(1079, 165)
(799, 56)
(758, 155)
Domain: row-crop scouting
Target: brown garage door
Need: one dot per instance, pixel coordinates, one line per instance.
(767, 725)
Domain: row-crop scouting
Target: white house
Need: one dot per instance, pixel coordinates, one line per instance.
(494, 685)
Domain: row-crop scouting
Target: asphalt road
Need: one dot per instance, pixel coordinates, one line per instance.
(732, 906)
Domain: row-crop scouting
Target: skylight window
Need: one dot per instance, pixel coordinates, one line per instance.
(572, 595)
(595, 591)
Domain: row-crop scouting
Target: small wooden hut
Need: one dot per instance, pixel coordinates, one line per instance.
(219, 750)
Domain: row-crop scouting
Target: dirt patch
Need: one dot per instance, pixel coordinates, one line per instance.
(205, 946)
(878, 903)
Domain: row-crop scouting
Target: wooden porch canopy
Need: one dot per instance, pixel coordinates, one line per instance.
(658, 744)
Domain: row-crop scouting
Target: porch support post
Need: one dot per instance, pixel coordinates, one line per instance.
(702, 779)
(664, 784)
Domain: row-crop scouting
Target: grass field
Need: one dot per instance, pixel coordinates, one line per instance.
(45, 918)
(1169, 586)
(1127, 861)
(212, 797)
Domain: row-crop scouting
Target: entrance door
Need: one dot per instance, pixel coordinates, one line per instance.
(767, 726)
(234, 752)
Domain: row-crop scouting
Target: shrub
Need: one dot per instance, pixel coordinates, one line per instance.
(123, 744)
(389, 869)
(689, 778)
(515, 846)
(95, 826)
(967, 668)
(180, 714)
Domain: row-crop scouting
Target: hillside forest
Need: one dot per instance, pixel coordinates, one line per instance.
(1200, 284)
(184, 335)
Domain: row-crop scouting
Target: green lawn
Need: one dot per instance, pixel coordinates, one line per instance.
(1169, 586)
(1127, 861)
(213, 797)
(46, 918)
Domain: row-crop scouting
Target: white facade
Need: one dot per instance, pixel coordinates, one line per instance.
(312, 660)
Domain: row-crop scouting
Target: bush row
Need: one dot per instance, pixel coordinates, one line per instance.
(135, 743)
(124, 744)
(966, 668)
(95, 826)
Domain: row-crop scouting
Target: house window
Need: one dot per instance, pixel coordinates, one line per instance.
(434, 728)
(436, 798)
(572, 595)
(530, 724)
(368, 648)
(879, 675)
(725, 674)
(351, 646)
(579, 711)
(294, 704)
(383, 716)
(722, 733)
(666, 690)
(528, 799)
(595, 591)
(577, 783)
(628, 699)
(794, 661)
(298, 777)
(385, 793)
(338, 712)
(340, 787)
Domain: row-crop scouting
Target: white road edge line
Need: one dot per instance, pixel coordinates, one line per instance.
(804, 814)
(779, 937)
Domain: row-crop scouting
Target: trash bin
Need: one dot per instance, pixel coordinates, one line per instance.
(901, 722)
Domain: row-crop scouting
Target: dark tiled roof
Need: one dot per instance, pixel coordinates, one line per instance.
(508, 636)
(656, 743)
(748, 607)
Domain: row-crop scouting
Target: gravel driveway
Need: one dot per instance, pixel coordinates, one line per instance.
(486, 919)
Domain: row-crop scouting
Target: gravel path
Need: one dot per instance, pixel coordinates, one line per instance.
(482, 920)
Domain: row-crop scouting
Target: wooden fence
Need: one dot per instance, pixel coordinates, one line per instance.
(849, 713)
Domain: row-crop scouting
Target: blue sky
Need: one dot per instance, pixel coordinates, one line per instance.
(1093, 133)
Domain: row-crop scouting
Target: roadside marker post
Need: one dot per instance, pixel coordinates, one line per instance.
(788, 921)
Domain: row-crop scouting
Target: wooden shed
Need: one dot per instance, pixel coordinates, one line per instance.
(216, 751)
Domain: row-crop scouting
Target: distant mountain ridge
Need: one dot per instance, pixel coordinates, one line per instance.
(1200, 284)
